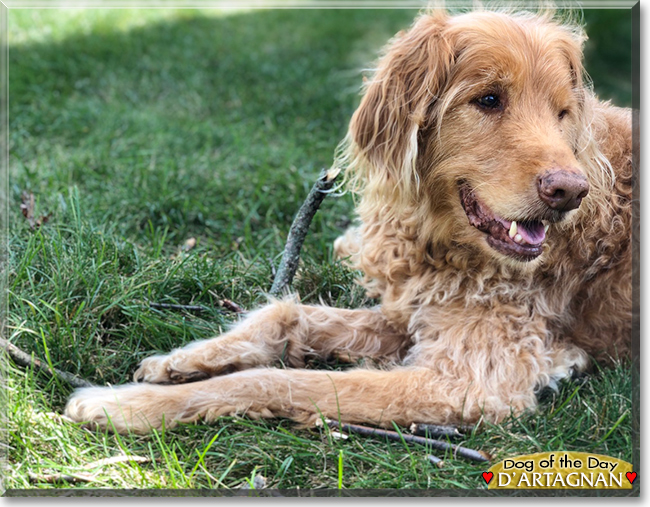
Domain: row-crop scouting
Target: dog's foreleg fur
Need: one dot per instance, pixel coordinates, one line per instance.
(283, 330)
(402, 395)
(448, 392)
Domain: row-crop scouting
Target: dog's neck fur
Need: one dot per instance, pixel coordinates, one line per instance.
(411, 261)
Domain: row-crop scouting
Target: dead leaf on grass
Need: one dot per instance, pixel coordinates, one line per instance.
(27, 207)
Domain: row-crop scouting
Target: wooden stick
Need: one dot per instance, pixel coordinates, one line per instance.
(435, 460)
(393, 435)
(54, 478)
(231, 306)
(435, 430)
(25, 359)
(298, 231)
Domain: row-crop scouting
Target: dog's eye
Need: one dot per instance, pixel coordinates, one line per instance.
(562, 114)
(489, 101)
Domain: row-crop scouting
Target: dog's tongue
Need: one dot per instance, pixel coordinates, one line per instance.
(532, 232)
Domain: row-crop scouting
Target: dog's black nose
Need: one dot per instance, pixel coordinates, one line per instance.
(562, 190)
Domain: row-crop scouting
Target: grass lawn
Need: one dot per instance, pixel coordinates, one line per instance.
(137, 130)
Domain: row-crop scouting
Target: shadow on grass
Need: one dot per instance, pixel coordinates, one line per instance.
(211, 126)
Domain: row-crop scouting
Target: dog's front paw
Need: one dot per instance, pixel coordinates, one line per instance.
(154, 370)
(174, 368)
(85, 407)
(118, 409)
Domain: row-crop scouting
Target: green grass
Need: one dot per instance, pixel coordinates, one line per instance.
(137, 130)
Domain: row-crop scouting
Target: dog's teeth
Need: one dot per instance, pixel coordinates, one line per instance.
(518, 239)
(513, 230)
(546, 228)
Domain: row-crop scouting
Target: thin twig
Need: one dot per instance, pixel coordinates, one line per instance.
(272, 266)
(435, 430)
(226, 304)
(24, 359)
(170, 306)
(298, 231)
(54, 478)
(393, 435)
(231, 306)
(435, 460)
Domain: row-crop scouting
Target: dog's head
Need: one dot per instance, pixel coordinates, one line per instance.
(479, 122)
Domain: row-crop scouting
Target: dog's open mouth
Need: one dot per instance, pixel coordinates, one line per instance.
(521, 240)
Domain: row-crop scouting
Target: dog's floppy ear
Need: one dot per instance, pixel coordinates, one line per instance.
(397, 102)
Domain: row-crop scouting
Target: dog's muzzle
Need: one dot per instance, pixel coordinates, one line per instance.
(521, 240)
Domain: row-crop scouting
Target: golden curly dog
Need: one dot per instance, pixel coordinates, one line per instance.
(495, 218)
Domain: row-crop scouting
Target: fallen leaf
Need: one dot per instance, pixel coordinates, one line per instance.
(27, 207)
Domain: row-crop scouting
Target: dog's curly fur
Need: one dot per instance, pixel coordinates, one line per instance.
(464, 118)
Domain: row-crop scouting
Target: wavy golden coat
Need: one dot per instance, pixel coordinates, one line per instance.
(495, 226)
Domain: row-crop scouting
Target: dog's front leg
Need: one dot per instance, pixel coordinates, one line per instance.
(378, 397)
(459, 385)
(283, 330)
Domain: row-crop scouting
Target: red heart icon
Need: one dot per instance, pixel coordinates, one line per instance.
(487, 477)
(631, 476)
